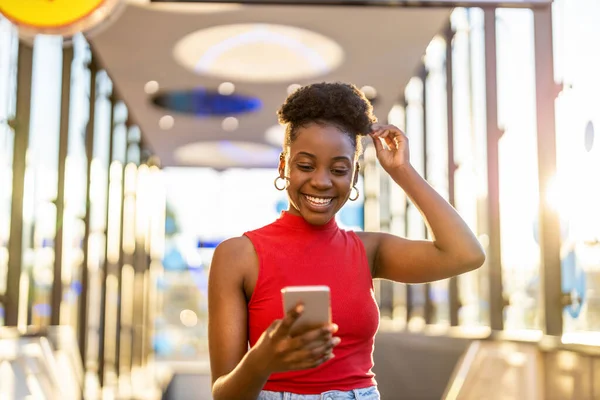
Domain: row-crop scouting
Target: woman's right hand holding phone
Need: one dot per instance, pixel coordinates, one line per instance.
(278, 351)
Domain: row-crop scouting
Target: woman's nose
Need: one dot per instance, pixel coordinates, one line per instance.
(322, 179)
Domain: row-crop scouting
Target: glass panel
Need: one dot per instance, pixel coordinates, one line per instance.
(576, 194)
(437, 153)
(75, 185)
(468, 82)
(415, 225)
(520, 251)
(41, 178)
(479, 278)
(114, 245)
(398, 199)
(98, 204)
(8, 86)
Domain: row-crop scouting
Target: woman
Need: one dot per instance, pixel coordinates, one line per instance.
(252, 352)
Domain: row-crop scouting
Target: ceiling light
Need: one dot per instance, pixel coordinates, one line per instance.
(230, 124)
(151, 87)
(201, 102)
(226, 88)
(292, 88)
(227, 154)
(258, 53)
(369, 92)
(166, 122)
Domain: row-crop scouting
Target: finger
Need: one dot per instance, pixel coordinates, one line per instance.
(394, 130)
(283, 328)
(391, 142)
(326, 348)
(391, 133)
(382, 133)
(317, 343)
(377, 142)
(376, 127)
(387, 139)
(314, 337)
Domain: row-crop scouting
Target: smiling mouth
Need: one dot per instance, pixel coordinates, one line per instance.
(318, 201)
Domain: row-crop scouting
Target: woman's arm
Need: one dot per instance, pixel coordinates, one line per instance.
(235, 374)
(453, 250)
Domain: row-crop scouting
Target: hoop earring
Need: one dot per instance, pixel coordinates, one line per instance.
(286, 183)
(357, 194)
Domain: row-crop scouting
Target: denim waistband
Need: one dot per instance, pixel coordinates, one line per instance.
(369, 393)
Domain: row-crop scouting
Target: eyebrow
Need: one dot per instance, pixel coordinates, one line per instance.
(338, 158)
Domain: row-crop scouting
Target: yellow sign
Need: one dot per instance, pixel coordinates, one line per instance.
(58, 17)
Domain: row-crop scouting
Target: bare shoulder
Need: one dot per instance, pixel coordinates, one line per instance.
(237, 246)
(235, 264)
(369, 239)
(235, 254)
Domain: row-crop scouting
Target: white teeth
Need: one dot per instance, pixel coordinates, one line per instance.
(318, 201)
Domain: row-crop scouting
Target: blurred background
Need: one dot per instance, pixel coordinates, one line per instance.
(137, 135)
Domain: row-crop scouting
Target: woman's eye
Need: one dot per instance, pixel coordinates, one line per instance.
(304, 167)
(340, 171)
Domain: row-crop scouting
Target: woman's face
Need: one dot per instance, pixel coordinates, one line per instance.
(321, 169)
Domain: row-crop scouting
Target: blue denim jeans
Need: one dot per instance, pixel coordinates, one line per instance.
(370, 393)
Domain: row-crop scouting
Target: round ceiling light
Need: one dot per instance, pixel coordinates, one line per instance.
(151, 87)
(230, 124)
(226, 88)
(204, 103)
(227, 154)
(166, 122)
(258, 53)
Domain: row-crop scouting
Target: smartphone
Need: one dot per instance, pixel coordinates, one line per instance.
(317, 306)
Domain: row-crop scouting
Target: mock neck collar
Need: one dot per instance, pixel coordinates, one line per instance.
(298, 222)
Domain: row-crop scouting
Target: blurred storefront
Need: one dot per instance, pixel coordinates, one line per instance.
(474, 123)
(81, 213)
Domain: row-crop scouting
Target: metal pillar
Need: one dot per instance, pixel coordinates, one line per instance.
(429, 307)
(140, 266)
(105, 266)
(453, 295)
(63, 145)
(386, 288)
(549, 224)
(409, 288)
(493, 199)
(89, 149)
(114, 268)
(21, 143)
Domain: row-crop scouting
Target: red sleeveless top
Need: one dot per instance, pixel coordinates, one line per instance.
(293, 252)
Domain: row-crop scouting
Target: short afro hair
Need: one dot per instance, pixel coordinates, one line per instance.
(339, 104)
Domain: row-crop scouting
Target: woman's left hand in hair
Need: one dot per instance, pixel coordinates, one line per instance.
(394, 153)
